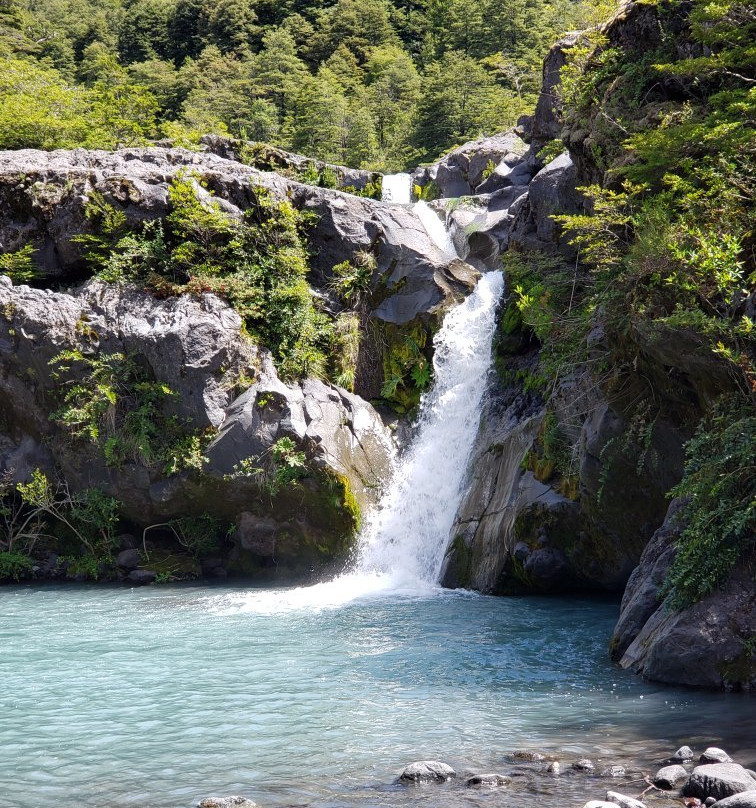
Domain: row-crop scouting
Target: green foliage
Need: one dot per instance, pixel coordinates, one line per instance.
(345, 349)
(19, 265)
(201, 535)
(353, 279)
(719, 517)
(259, 265)
(407, 371)
(15, 566)
(289, 464)
(109, 400)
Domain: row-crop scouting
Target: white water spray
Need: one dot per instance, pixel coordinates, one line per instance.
(435, 228)
(408, 536)
(396, 188)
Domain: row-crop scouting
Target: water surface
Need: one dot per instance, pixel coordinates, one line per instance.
(161, 696)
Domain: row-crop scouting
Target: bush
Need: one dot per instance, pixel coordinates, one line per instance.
(14, 566)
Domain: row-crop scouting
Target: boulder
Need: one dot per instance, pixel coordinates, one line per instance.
(718, 780)
(427, 771)
(684, 753)
(623, 801)
(670, 777)
(128, 559)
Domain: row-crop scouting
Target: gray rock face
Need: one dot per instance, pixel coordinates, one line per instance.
(704, 645)
(42, 198)
(718, 780)
(128, 559)
(546, 124)
(670, 777)
(427, 771)
(552, 191)
(470, 168)
(142, 577)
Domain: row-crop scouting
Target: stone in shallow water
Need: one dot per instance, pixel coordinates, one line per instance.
(623, 801)
(613, 771)
(599, 804)
(554, 768)
(583, 765)
(670, 777)
(715, 755)
(683, 753)
(718, 780)
(142, 577)
(427, 771)
(488, 780)
(226, 802)
(524, 756)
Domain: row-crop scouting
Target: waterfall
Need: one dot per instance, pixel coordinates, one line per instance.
(407, 537)
(435, 228)
(396, 188)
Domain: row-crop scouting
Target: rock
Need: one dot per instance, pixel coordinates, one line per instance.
(488, 780)
(744, 799)
(141, 577)
(684, 753)
(551, 191)
(718, 780)
(461, 171)
(554, 768)
(712, 754)
(710, 801)
(524, 756)
(613, 771)
(623, 801)
(546, 124)
(226, 802)
(599, 804)
(583, 765)
(427, 771)
(670, 777)
(128, 559)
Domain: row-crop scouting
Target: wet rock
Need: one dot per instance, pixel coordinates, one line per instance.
(718, 780)
(599, 804)
(745, 799)
(623, 801)
(554, 768)
(670, 777)
(141, 577)
(684, 753)
(128, 559)
(488, 780)
(613, 771)
(583, 765)
(427, 771)
(525, 756)
(714, 755)
(226, 802)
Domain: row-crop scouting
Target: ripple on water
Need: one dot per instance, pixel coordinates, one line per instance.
(319, 696)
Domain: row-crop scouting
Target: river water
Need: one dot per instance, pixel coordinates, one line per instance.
(161, 696)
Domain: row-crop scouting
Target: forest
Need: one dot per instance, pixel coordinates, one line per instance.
(367, 83)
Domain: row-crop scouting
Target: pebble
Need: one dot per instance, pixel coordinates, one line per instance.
(554, 768)
(583, 765)
(683, 754)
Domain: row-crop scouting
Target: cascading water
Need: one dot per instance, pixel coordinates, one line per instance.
(396, 188)
(435, 228)
(407, 537)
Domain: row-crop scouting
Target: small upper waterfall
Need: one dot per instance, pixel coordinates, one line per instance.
(435, 228)
(408, 536)
(396, 188)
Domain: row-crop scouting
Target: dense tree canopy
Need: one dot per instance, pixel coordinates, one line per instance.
(372, 83)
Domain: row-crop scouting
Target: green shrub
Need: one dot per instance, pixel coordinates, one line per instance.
(15, 566)
(19, 265)
(719, 515)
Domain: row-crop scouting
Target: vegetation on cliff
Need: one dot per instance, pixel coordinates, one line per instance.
(657, 297)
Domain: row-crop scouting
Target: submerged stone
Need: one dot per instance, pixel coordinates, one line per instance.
(427, 771)
(488, 780)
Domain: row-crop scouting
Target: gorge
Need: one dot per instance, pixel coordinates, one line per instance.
(310, 471)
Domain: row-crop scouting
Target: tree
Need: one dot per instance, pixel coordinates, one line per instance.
(144, 30)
